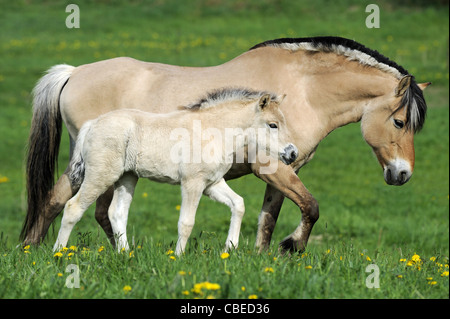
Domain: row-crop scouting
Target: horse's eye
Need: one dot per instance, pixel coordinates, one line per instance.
(273, 125)
(399, 124)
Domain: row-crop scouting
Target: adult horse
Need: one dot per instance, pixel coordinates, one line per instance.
(328, 81)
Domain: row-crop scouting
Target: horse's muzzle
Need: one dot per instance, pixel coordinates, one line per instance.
(289, 154)
(397, 172)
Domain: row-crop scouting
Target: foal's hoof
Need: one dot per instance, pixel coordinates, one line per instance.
(288, 245)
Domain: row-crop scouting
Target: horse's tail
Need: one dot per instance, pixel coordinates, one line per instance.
(43, 142)
(77, 166)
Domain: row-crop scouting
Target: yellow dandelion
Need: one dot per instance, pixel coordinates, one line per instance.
(253, 297)
(368, 258)
(400, 276)
(433, 258)
(126, 289)
(268, 269)
(58, 254)
(224, 255)
(73, 248)
(243, 288)
(182, 273)
(169, 252)
(308, 267)
(172, 258)
(131, 254)
(178, 207)
(328, 251)
(403, 260)
(4, 179)
(185, 292)
(416, 258)
(26, 247)
(432, 283)
(60, 274)
(444, 274)
(102, 248)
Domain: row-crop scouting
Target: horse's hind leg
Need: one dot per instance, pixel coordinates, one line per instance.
(73, 212)
(101, 213)
(222, 193)
(120, 205)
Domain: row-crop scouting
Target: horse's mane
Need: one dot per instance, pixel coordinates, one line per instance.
(223, 95)
(413, 98)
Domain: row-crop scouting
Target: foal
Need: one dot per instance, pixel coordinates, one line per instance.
(121, 146)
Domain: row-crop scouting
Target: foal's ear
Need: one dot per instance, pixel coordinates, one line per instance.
(403, 85)
(423, 86)
(264, 101)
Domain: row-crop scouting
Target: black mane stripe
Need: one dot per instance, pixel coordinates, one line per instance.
(326, 44)
(413, 99)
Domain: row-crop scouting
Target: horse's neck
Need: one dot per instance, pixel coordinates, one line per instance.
(335, 90)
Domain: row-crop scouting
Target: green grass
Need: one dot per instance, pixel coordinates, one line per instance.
(360, 214)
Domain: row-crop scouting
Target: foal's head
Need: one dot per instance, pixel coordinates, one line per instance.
(272, 133)
(388, 126)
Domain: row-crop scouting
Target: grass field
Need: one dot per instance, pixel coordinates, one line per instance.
(404, 231)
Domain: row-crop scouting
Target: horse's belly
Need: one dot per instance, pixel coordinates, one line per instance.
(158, 173)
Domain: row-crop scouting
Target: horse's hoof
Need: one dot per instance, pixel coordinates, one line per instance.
(288, 245)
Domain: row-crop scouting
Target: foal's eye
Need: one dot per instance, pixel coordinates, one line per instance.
(273, 125)
(399, 124)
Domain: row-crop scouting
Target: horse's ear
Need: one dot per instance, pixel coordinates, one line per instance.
(264, 101)
(403, 85)
(281, 98)
(423, 86)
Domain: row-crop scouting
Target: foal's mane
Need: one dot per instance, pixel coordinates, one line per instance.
(413, 99)
(223, 95)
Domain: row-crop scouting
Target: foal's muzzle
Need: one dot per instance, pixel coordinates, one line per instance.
(289, 154)
(397, 172)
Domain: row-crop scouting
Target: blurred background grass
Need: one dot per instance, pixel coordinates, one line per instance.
(356, 205)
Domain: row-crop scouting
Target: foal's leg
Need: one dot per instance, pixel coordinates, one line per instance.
(73, 211)
(191, 192)
(222, 193)
(118, 210)
(289, 185)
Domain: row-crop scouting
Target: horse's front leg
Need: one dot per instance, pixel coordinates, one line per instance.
(191, 192)
(222, 193)
(286, 181)
(273, 199)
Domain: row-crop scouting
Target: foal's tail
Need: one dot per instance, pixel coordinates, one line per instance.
(77, 166)
(43, 142)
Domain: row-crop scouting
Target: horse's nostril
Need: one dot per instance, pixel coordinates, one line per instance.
(388, 175)
(293, 155)
(403, 176)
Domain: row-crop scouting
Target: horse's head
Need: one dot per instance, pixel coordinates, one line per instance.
(388, 126)
(276, 137)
